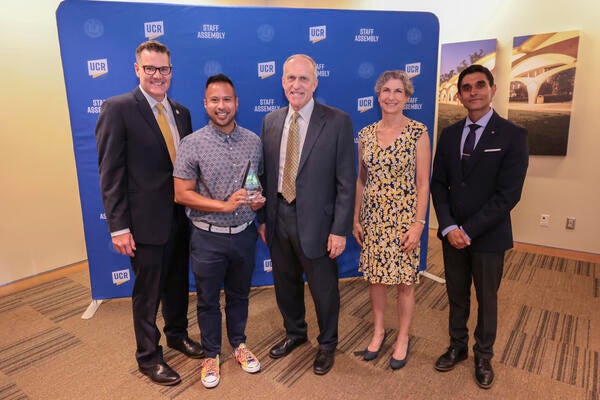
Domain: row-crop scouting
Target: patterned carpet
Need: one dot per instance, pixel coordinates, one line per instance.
(548, 343)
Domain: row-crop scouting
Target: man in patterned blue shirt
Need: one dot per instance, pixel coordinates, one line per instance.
(209, 172)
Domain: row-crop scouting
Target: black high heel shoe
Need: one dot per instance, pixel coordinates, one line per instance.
(371, 355)
(397, 364)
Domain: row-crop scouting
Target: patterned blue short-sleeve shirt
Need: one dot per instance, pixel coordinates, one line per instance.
(217, 161)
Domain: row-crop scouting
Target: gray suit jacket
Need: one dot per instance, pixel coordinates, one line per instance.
(326, 181)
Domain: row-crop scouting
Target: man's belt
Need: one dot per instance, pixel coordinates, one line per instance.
(221, 229)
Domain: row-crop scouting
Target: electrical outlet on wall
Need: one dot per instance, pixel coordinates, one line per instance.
(570, 223)
(544, 219)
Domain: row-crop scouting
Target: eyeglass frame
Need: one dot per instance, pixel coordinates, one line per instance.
(159, 69)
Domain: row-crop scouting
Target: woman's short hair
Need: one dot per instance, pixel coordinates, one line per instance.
(395, 74)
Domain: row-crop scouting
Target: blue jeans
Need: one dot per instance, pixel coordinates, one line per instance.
(222, 260)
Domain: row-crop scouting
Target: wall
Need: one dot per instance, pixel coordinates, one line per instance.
(41, 227)
(40, 215)
(558, 186)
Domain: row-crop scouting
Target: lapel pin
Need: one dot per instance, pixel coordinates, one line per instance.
(177, 112)
(492, 132)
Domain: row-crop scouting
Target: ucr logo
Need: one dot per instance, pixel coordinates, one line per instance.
(365, 104)
(93, 28)
(152, 30)
(317, 33)
(120, 277)
(267, 265)
(413, 69)
(97, 68)
(266, 69)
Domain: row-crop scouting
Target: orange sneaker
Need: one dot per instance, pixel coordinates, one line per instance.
(209, 374)
(246, 359)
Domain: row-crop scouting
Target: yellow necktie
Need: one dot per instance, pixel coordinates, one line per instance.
(163, 124)
(292, 156)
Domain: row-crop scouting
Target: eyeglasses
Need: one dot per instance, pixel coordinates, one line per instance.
(151, 69)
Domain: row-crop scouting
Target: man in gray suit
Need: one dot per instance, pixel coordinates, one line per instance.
(309, 181)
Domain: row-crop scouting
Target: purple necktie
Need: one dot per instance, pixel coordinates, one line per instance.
(469, 145)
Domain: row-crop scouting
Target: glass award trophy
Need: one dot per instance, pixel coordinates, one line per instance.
(252, 185)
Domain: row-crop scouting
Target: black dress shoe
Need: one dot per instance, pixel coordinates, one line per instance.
(161, 374)
(188, 347)
(323, 361)
(450, 358)
(285, 347)
(484, 374)
(371, 355)
(397, 364)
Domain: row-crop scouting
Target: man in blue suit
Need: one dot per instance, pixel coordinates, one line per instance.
(478, 173)
(309, 182)
(137, 135)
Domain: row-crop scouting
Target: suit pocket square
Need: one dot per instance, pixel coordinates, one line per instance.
(491, 150)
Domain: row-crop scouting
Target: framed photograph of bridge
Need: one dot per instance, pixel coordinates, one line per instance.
(541, 89)
(454, 58)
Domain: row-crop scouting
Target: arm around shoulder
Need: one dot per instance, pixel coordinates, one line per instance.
(111, 141)
(345, 179)
(440, 182)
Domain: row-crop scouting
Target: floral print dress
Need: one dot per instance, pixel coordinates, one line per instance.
(389, 205)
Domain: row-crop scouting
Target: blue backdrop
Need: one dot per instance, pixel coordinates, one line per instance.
(98, 41)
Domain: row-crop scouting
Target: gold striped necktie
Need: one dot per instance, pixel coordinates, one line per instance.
(166, 130)
(292, 156)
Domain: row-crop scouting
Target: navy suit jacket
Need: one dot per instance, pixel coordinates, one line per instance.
(136, 172)
(481, 198)
(326, 180)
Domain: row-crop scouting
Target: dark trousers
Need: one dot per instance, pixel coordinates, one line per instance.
(161, 276)
(485, 271)
(221, 259)
(289, 263)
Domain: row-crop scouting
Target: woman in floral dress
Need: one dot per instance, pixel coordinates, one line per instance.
(392, 194)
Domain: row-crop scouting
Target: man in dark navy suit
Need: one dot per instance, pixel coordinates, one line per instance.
(478, 173)
(137, 135)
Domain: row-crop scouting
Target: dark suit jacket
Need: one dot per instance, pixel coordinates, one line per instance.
(326, 179)
(136, 173)
(480, 200)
